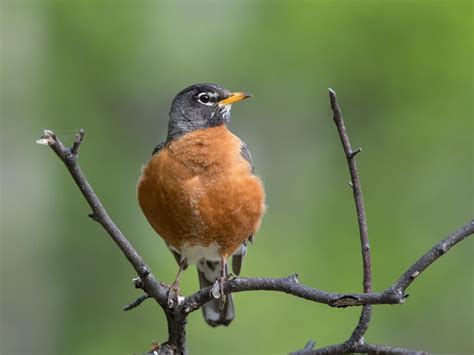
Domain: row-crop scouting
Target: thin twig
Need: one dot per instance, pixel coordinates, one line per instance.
(78, 138)
(137, 302)
(309, 345)
(69, 158)
(356, 187)
(431, 256)
(366, 313)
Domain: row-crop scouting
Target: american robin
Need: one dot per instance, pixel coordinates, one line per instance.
(200, 194)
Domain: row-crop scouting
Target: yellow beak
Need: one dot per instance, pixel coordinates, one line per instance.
(234, 97)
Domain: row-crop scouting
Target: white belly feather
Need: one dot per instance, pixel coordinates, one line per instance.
(194, 253)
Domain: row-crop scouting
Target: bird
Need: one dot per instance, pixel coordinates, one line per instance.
(200, 193)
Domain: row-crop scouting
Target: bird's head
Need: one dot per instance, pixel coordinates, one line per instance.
(201, 106)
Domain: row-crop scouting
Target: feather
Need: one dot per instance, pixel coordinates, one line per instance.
(214, 313)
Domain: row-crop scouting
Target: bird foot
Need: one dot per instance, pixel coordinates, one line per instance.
(217, 290)
(221, 281)
(173, 294)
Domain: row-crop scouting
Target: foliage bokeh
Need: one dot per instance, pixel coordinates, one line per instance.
(403, 74)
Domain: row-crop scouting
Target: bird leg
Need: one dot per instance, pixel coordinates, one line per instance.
(221, 280)
(217, 290)
(173, 292)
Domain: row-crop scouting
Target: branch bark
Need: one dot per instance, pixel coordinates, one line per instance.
(395, 294)
(366, 314)
(176, 314)
(356, 188)
(356, 348)
(69, 157)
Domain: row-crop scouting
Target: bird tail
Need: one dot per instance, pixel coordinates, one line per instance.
(215, 313)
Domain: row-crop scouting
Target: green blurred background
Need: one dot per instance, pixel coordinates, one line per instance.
(404, 77)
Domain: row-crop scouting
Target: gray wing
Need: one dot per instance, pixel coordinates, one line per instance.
(158, 148)
(176, 255)
(245, 152)
(238, 257)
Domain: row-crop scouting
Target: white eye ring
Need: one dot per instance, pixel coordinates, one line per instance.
(205, 98)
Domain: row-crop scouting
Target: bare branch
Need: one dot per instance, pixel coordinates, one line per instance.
(366, 313)
(69, 158)
(356, 187)
(357, 348)
(291, 286)
(395, 294)
(431, 256)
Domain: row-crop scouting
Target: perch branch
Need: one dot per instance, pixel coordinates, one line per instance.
(395, 294)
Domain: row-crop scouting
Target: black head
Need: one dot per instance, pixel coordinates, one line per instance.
(201, 106)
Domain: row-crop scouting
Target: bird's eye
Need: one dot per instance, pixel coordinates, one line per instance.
(204, 98)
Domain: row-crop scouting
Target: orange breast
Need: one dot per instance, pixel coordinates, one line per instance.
(199, 190)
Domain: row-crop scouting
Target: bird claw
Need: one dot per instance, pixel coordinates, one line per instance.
(217, 290)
